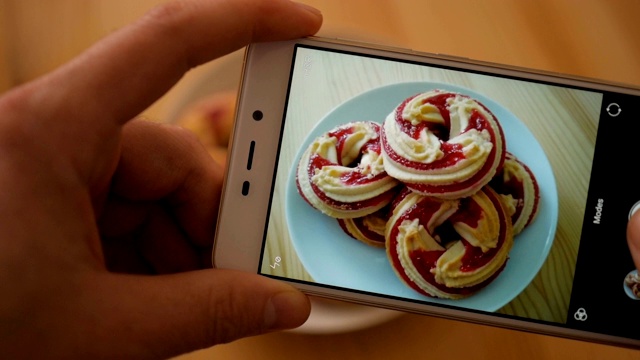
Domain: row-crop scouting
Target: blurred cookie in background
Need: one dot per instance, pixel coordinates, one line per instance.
(211, 120)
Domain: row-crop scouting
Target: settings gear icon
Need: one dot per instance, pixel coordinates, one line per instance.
(580, 314)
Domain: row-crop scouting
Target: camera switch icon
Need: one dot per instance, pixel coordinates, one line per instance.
(614, 109)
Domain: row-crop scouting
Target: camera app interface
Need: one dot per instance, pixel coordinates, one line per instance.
(454, 187)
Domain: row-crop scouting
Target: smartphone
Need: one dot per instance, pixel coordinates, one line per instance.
(436, 185)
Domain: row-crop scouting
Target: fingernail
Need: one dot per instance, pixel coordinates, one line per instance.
(309, 8)
(286, 310)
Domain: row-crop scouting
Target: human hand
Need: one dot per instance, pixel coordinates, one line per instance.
(92, 203)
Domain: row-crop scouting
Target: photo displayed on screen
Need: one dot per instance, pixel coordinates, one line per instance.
(432, 184)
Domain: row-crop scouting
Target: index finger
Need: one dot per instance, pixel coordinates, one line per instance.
(127, 71)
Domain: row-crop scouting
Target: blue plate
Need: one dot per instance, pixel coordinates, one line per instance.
(333, 258)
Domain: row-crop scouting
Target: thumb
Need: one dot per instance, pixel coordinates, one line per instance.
(633, 237)
(164, 316)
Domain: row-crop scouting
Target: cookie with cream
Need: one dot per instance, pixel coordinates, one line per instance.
(442, 144)
(341, 172)
(448, 248)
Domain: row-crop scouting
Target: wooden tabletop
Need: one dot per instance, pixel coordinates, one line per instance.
(599, 39)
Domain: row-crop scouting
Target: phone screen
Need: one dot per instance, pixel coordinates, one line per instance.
(570, 266)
